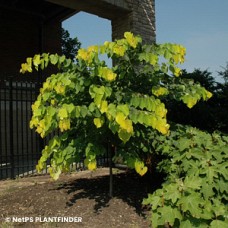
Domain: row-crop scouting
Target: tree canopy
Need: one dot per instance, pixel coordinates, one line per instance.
(93, 105)
(70, 46)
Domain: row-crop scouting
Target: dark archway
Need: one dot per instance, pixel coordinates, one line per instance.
(29, 27)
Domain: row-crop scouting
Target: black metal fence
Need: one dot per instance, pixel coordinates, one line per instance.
(20, 147)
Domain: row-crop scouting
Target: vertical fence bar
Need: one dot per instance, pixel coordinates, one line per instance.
(12, 163)
(27, 89)
(6, 129)
(17, 123)
(32, 98)
(110, 170)
(16, 138)
(22, 127)
(1, 135)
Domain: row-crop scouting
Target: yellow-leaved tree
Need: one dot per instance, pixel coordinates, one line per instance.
(94, 104)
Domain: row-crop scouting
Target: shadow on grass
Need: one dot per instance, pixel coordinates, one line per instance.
(129, 187)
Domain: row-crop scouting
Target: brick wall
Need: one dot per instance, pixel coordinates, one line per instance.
(140, 20)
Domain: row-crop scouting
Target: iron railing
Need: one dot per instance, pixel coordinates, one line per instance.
(20, 147)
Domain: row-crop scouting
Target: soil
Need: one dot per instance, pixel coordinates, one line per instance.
(77, 196)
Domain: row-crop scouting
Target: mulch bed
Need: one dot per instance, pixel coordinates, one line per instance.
(83, 194)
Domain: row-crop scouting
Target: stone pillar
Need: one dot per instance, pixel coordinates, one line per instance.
(137, 16)
(140, 20)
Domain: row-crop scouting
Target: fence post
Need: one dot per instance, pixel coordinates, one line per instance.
(110, 155)
(11, 127)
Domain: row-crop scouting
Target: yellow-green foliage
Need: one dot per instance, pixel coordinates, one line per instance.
(93, 104)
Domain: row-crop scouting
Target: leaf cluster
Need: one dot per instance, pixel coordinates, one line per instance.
(93, 104)
(195, 192)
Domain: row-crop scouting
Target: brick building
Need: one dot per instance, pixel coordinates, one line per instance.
(33, 26)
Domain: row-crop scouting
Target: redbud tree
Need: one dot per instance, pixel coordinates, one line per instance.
(94, 104)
